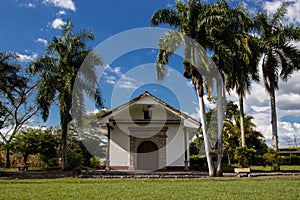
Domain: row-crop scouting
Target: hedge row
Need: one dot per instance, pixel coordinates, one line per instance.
(199, 162)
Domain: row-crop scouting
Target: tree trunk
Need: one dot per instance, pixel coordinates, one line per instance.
(220, 127)
(7, 164)
(205, 137)
(64, 149)
(273, 117)
(65, 118)
(242, 120)
(25, 157)
(229, 160)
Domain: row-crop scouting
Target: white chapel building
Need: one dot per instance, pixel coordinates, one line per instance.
(148, 134)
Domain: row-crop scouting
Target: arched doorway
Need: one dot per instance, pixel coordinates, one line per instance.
(147, 158)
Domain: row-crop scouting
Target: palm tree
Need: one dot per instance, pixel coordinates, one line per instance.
(227, 31)
(232, 136)
(185, 19)
(235, 50)
(230, 139)
(58, 70)
(280, 57)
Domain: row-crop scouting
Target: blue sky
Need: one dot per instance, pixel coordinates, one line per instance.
(27, 26)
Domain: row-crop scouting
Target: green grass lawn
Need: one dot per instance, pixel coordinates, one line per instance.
(207, 188)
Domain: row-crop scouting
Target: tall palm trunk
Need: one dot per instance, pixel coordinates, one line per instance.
(65, 119)
(273, 116)
(242, 119)
(64, 149)
(220, 127)
(205, 136)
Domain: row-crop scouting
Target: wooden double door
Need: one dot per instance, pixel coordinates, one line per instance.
(147, 156)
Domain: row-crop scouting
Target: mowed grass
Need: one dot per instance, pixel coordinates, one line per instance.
(206, 188)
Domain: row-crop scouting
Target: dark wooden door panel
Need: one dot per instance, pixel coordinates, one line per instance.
(147, 156)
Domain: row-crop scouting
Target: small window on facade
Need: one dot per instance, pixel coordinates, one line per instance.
(147, 114)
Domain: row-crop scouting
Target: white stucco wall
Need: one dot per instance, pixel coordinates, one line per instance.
(175, 146)
(119, 148)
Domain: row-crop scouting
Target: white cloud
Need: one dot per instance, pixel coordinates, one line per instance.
(126, 78)
(114, 76)
(65, 4)
(110, 80)
(127, 82)
(297, 125)
(296, 44)
(116, 70)
(272, 6)
(41, 40)
(127, 85)
(196, 114)
(29, 5)
(26, 58)
(190, 84)
(61, 12)
(293, 7)
(57, 23)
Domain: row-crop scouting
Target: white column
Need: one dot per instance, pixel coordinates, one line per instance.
(186, 161)
(107, 168)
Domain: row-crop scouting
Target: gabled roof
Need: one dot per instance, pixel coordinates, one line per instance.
(161, 102)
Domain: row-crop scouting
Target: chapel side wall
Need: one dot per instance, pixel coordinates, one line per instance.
(119, 148)
(175, 146)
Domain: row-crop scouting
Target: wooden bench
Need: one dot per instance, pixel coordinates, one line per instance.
(22, 166)
(241, 171)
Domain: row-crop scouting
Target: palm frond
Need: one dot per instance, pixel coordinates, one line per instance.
(278, 16)
(165, 16)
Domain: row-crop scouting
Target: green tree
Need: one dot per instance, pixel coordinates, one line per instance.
(232, 136)
(244, 155)
(58, 70)
(40, 142)
(279, 56)
(273, 159)
(235, 50)
(48, 145)
(26, 143)
(17, 103)
(184, 18)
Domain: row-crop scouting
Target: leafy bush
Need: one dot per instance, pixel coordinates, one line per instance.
(198, 162)
(291, 160)
(227, 168)
(273, 159)
(244, 156)
(295, 160)
(258, 161)
(86, 155)
(195, 146)
(95, 162)
(52, 162)
(75, 159)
